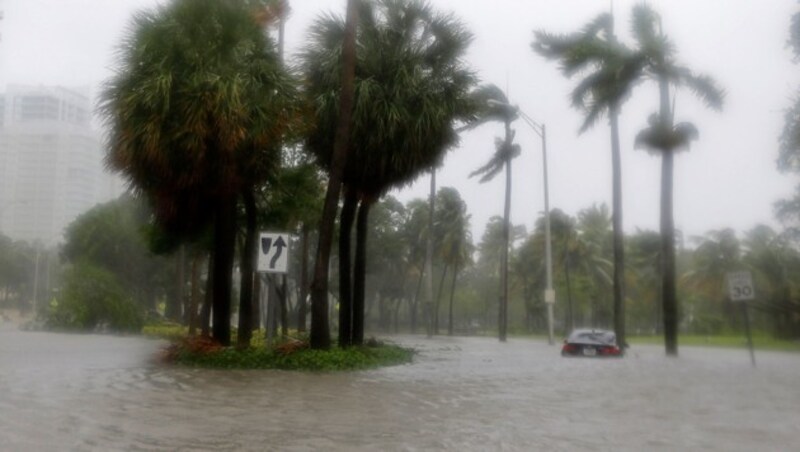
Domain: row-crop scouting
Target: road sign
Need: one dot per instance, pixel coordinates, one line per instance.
(549, 296)
(273, 252)
(740, 286)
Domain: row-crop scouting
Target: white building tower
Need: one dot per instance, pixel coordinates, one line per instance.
(50, 162)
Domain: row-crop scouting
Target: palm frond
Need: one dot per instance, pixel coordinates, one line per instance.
(659, 136)
(794, 35)
(704, 87)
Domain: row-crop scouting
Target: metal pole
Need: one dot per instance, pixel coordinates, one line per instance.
(749, 336)
(36, 280)
(548, 244)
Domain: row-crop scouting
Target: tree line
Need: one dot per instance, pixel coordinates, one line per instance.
(219, 136)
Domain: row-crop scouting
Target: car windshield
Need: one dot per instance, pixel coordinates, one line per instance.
(603, 337)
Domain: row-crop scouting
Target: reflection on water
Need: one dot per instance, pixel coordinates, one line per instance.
(86, 392)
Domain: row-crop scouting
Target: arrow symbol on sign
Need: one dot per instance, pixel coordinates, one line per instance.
(266, 244)
(279, 244)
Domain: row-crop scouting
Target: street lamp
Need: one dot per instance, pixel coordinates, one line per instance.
(549, 293)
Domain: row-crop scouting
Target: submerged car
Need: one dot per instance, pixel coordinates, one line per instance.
(586, 342)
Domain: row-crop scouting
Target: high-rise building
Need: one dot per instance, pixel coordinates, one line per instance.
(51, 166)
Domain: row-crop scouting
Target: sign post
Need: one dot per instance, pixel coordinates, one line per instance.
(740, 288)
(273, 257)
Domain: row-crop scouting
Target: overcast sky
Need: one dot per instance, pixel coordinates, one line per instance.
(728, 179)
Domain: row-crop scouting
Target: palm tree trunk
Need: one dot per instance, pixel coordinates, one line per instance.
(439, 301)
(360, 269)
(246, 258)
(346, 218)
(175, 303)
(284, 306)
(669, 299)
(195, 296)
(302, 304)
(257, 311)
(205, 313)
(414, 303)
(619, 250)
(570, 316)
(450, 308)
(224, 244)
(428, 305)
(503, 320)
(320, 326)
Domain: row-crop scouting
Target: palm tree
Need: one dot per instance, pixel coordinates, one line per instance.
(665, 138)
(612, 70)
(496, 106)
(718, 252)
(528, 272)
(645, 251)
(491, 251)
(592, 251)
(345, 87)
(415, 232)
(454, 244)
(197, 110)
(788, 210)
(271, 14)
(772, 259)
(411, 89)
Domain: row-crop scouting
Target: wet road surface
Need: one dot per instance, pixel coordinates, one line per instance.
(88, 392)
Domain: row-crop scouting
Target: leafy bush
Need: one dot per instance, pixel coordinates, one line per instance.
(165, 330)
(199, 352)
(93, 300)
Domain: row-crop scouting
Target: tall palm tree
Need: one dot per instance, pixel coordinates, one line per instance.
(665, 138)
(611, 71)
(345, 90)
(410, 91)
(454, 243)
(197, 110)
(415, 232)
(496, 106)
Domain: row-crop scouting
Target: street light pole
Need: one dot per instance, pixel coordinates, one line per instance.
(549, 293)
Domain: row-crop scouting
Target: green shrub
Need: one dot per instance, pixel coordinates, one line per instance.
(93, 300)
(302, 358)
(165, 330)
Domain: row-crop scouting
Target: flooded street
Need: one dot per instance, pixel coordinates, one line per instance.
(87, 392)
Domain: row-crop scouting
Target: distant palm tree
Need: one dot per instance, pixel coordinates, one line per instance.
(496, 107)
(717, 253)
(454, 244)
(592, 252)
(611, 71)
(773, 260)
(645, 250)
(197, 111)
(666, 138)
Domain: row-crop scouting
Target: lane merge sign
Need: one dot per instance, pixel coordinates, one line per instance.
(273, 252)
(740, 286)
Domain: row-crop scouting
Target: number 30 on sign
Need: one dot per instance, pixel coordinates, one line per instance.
(740, 286)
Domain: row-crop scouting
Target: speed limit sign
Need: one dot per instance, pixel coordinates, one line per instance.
(740, 286)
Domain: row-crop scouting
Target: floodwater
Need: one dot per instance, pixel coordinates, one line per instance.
(87, 392)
